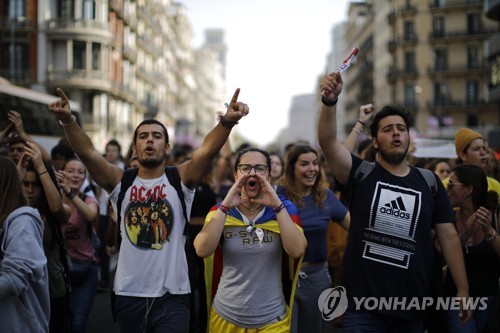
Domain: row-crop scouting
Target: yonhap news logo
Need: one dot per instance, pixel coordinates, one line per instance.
(332, 303)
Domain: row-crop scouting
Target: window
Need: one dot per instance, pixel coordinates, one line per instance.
(89, 7)
(440, 93)
(473, 23)
(79, 58)
(410, 62)
(438, 26)
(472, 120)
(441, 59)
(96, 56)
(409, 33)
(472, 57)
(472, 93)
(409, 95)
(65, 8)
(16, 8)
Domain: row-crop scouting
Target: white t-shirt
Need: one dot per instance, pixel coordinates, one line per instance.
(152, 260)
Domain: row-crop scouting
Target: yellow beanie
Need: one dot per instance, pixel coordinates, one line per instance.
(463, 138)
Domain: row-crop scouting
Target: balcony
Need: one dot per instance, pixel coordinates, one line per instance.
(391, 17)
(392, 45)
(408, 39)
(392, 74)
(79, 79)
(459, 35)
(451, 105)
(16, 24)
(437, 6)
(408, 10)
(457, 71)
(17, 76)
(80, 28)
(409, 73)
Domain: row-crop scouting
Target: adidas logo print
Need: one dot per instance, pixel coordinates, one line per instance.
(395, 208)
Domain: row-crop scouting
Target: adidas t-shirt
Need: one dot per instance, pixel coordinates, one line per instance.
(389, 251)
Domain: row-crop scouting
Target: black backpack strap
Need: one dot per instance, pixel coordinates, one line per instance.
(175, 180)
(126, 181)
(430, 179)
(363, 170)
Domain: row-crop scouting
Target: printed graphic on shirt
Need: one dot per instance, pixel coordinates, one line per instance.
(390, 236)
(251, 235)
(148, 219)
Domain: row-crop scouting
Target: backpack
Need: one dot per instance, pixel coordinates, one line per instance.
(365, 168)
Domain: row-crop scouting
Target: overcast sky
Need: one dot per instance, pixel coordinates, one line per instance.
(276, 49)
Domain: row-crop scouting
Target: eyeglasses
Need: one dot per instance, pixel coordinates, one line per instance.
(27, 184)
(450, 185)
(247, 168)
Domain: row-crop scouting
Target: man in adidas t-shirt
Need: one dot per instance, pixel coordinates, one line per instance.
(151, 282)
(389, 250)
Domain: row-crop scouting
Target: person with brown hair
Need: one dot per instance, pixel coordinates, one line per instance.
(24, 284)
(151, 285)
(477, 225)
(304, 185)
(39, 185)
(393, 209)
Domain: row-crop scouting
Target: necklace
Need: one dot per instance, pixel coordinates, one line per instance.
(253, 210)
(151, 186)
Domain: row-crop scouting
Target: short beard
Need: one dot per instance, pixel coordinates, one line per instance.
(393, 158)
(151, 164)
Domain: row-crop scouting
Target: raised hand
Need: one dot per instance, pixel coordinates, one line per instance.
(61, 108)
(16, 119)
(62, 181)
(331, 85)
(236, 110)
(234, 195)
(268, 195)
(6, 133)
(366, 113)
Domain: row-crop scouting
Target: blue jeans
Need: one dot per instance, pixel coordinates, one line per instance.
(476, 324)
(169, 313)
(372, 322)
(83, 278)
(306, 316)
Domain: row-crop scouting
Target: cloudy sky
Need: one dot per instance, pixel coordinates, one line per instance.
(276, 49)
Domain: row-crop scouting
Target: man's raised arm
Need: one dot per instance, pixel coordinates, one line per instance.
(104, 173)
(193, 171)
(336, 154)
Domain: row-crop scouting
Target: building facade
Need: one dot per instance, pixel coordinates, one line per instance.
(122, 60)
(435, 58)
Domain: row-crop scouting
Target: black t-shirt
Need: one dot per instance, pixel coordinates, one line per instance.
(389, 250)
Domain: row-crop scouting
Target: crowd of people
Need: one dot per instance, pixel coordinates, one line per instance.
(215, 239)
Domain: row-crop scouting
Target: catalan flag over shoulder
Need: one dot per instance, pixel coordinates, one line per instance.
(291, 266)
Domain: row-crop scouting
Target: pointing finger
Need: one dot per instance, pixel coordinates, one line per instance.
(62, 94)
(235, 98)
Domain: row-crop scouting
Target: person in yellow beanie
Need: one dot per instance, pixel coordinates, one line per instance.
(471, 150)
